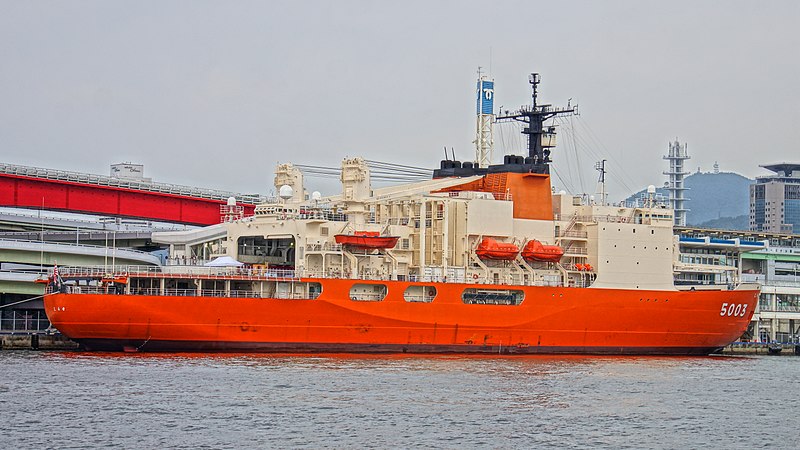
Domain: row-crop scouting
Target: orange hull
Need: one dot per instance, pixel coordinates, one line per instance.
(549, 320)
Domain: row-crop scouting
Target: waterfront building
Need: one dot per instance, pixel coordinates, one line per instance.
(771, 259)
(775, 200)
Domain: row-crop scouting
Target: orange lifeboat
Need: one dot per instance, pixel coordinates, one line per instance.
(367, 240)
(491, 249)
(536, 251)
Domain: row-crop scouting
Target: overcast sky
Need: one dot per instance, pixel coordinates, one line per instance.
(214, 94)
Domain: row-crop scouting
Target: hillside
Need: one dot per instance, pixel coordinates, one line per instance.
(728, 223)
(714, 196)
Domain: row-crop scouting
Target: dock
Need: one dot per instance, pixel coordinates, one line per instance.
(762, 348)
(36, 341)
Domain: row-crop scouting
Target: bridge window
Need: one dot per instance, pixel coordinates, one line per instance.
(252, 246)
(276, 252)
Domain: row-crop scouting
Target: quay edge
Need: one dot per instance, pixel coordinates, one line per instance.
(36, 342)
(761, 348)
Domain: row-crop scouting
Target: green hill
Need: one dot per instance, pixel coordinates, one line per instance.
(723, 198)
(728, 223)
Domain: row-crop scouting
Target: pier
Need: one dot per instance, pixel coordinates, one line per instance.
(762, 348)
(36, 341)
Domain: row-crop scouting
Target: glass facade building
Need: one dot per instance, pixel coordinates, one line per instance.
(775, 200)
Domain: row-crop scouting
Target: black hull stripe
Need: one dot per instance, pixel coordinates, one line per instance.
(115, 345)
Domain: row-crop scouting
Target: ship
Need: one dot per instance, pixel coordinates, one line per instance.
(480, 258)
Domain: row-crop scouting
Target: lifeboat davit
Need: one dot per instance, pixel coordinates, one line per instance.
(367, 240)
(491, 249)
(536, 251)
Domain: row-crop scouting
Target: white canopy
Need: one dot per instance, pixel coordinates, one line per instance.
(223, 261)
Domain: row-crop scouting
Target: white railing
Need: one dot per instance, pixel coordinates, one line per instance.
(778, 283)
(209, 293)
(326, 247)
(174, 272)
(606, 218)
(419, 298)
(303, 214)
(574, 234)
(252, 274)
(753, 277)
(502, 196)
(364, 297)
(576, 251)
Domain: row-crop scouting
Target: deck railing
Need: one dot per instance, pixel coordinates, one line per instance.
(110, 273)
(207, 293)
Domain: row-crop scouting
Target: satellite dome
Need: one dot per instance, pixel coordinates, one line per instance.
(651, 189)
(316, 196)
(286, 192)
(231, 201)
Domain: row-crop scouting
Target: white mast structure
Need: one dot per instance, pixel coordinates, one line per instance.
(676, 156)
(484, 138)
(601, 182)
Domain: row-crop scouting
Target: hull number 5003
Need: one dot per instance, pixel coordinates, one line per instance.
(733, 309)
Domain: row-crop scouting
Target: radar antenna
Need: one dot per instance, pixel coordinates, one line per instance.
(540, 140)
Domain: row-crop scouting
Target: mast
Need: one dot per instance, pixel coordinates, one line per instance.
(540, 140)
(484, 139)
(601, 181)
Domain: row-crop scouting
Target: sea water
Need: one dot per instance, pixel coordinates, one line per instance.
(90, 400)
